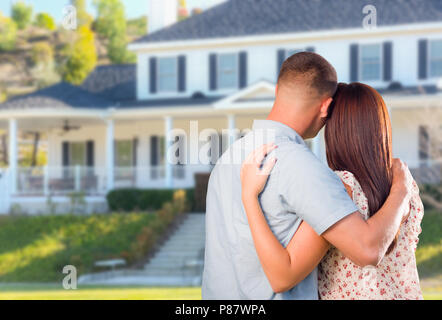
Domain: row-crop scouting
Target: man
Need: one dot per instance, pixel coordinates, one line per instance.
(300, 188)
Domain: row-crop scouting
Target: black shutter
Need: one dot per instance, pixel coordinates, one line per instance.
(90, 153)
(154, 145)
(65, 154)
(310, 49)
(135, 152)
(388, 61)
(280, 60)
(423, 59)
(354, 62)
(243, 69)
(182, 73)
(153, 75)
(154, 150)
(213, 72)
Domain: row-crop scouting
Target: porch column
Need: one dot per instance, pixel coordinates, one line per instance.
(13, 154)
(168, 127)
(232, 128)
(110, 154)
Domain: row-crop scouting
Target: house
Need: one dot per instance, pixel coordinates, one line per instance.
(217, 71)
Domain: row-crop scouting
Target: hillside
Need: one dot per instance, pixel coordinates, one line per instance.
(18, 71)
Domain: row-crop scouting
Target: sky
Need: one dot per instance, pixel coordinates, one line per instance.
(134, 8)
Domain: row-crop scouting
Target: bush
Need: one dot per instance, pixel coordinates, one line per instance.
(81, 58)
(21, 14)
(434, 195)
(42, 53)
(44, 20)
(8, 33)
(111, 24)
(149, 199)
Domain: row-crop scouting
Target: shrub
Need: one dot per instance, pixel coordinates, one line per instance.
(81, 58)
(152, 199)
(42, 53)
(44, 20)
(111, 24)
(8, 33)
(21, 14)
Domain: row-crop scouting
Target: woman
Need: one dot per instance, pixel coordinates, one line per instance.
(358, 147)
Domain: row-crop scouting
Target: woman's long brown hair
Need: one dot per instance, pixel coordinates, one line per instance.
(358, 140)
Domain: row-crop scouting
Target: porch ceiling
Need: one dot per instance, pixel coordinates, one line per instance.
(45, 124)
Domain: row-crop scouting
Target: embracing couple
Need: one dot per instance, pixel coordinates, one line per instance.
(284, 225)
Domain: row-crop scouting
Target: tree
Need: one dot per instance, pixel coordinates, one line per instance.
(83, 17)
(44, 20)
(8, 33)
(21, 14)
(82, 57)
(111, 24)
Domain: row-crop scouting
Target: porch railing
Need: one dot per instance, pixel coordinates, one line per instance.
(51, 180)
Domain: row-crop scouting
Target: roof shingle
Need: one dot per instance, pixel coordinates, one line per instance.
(59, 96)
(236, 18)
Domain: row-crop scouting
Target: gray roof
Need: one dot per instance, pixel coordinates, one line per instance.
(115, 82)
(170, 102)
(258, 17)
(60, 96)
(107, 86)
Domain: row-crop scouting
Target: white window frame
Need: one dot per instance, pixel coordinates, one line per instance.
(381, 62)
(429, 59)
(236, 85)
(159, 89)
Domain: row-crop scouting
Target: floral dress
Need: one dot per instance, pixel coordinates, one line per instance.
(395, 277)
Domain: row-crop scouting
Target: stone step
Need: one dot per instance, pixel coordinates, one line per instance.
(190, 236)
(166, 272)
(172, 262)
(184, 243)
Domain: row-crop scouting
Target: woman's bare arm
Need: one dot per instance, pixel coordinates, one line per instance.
(284, 267)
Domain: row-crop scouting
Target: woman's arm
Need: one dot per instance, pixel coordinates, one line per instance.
(284, 267)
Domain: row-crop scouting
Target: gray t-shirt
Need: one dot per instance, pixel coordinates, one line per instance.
(300, 187)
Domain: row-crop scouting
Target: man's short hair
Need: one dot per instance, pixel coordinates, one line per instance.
(311, 70)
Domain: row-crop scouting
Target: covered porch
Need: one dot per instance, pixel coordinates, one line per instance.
(92, 151)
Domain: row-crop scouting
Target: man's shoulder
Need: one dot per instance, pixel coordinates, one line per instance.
(290, 150)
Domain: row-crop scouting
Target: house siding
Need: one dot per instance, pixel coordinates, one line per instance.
(262, 60)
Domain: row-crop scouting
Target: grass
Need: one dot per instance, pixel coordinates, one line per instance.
(429, 249)
(55, 292)
(89, 237)
(37, 248)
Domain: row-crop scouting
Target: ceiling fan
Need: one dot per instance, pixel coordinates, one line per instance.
(68, 127)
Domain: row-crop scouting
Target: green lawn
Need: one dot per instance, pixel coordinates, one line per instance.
(55, 292)
(35, 249)
(429, 249)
